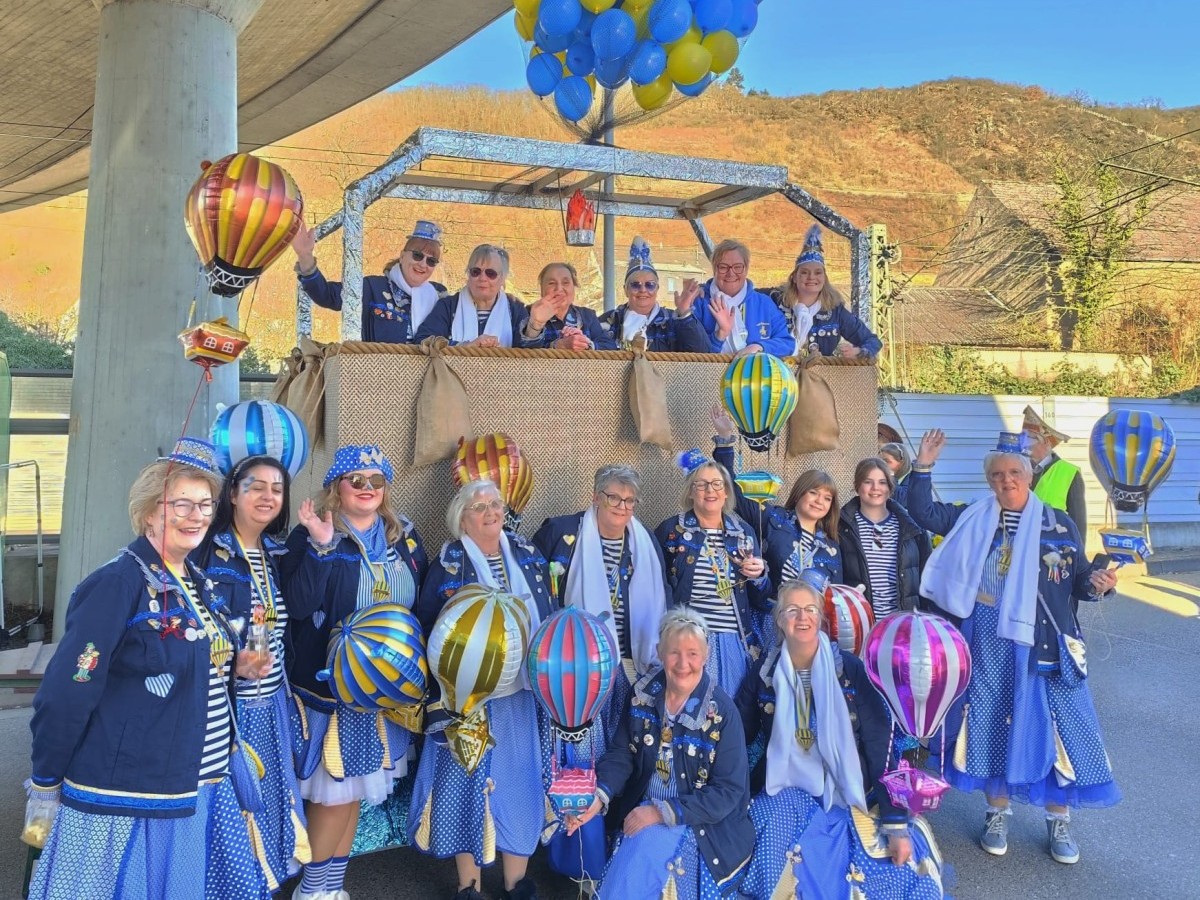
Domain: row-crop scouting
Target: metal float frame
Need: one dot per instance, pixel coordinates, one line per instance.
(570, 167)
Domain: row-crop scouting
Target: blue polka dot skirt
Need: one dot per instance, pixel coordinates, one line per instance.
(205, 856)
(660, 861)
(360, 759)
(501, 806)
(728, 661)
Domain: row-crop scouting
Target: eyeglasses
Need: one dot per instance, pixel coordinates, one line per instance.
(616, 501)
(421, 256)
(731, 268)
(717, 486)
(792, 612)
(486, 506)
(475, 272)
(360, 482)
(183, 508)
(643, 285)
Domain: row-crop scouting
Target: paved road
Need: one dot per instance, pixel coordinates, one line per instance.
(1145, 664)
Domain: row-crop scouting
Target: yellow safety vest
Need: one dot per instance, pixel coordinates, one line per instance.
(1055, 482)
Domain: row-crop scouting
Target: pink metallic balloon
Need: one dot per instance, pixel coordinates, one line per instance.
(848, 617)
(921, 664)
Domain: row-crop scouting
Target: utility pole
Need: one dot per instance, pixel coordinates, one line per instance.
(882, 255)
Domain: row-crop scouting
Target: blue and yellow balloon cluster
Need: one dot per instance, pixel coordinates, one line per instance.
(656, 46)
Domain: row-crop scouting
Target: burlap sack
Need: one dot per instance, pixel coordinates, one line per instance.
(443, 411)
(813, 424)
(301, 388)
(648, 401)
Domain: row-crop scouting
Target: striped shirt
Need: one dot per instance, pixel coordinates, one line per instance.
(613, 551)
(246, 688)
(1010, 519)
(401, 587)
(881, 549)
(496, 564)
(719, 614)
(801, 556)
(214, 758)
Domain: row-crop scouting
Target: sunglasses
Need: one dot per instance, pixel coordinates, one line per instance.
(643, 285)
(360, 482)
(475, 272)
(421, 256)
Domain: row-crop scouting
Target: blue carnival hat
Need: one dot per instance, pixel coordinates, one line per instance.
(817, 579)
(1013, 442)
(691, 460)
(427, 231)
(812, 250)
(194, 452)
(353, 457)
(639, 258)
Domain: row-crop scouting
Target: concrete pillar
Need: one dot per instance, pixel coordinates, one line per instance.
(166, 98)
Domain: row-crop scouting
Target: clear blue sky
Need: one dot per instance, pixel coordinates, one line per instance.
(1117, 52)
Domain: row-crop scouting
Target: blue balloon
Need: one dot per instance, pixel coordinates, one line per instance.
(694, 90)
(713, 15)
(743, 18)
(583, 31)
(1131, 451)
(543, 73)
(613, 34)
(647, 61)
(551, 43)
(612, 73)
(559, 16)
(581, 59)
(669, 20)
(259, 428)
(573, 97)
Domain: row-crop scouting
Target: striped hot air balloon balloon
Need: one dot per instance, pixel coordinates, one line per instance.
(377, 659)
(848, 617)
(241, 214)
(760, 393)
(498, 458)
(259, 428)
(761, 487)
(571, 666)
(1131, 452)
(921, 664)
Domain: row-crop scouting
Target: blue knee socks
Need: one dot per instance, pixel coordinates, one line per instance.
(335, 875)
(312, 881)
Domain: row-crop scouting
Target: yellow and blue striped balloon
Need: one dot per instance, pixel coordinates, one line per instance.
(377, 659)
(1131, 452)
(760, 393)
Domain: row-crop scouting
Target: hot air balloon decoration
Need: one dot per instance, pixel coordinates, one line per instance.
(759, 486)
(848, 617)
(581, 221)
(759, 392)
(498, 458)
(914, 789)
(1125, 546)
(476, 649)
(212, 344)
(1131, 452)
(241, 214)
(259, 428)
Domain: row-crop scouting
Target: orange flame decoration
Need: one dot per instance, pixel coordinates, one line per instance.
(212, 344)
(241, 214)
(581, 221)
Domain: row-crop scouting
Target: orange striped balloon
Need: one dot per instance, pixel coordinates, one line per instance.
(241, 214)
(498, 458)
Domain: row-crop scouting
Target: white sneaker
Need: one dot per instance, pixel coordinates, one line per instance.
(312, 895)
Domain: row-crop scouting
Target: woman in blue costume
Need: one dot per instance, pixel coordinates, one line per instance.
(502, 804)
(482, 314)
(738, 318)
(239, 556)
(1009, 568)
(607, 563)
(349, 552)
(825, 825)
(134, 745)
(665, 330)
(713, 567)
(555, 321)
(674, 781)
(817, 315)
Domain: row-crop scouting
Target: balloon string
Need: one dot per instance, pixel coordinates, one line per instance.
(244, 322)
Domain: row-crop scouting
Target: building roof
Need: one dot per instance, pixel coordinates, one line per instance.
(961, 317)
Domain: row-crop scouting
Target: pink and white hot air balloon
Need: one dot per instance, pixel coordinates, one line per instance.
(921, 664)
(848, 617)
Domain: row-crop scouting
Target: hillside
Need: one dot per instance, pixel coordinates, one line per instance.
(908, 157)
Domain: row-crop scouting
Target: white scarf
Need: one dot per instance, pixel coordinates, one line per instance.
(952, 575)
(635, 323)
(802, 321)
(737, 304)
(423, 297)
(588, 588)
(834, 772)
(466, 320)
(517, 586)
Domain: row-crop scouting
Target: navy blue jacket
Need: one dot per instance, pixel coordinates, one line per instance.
(327, 584)
(830, 327)
(900, 495)
(779, 531)
(710, 766)
(578, 317)
(1058, 584)
(229, 571)
(440, 321)
(667, 332)
(869, 718)
(765, 324)
(386, 309)
(115, 745)
(912, 550)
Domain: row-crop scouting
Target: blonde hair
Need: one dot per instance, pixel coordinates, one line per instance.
(830, 297)
(730, 245)
(329, 501)
(688, 502)
(155, 481)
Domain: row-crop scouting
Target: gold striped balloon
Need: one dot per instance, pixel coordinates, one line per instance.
(477, 646)
(241, 214)
(498, 458)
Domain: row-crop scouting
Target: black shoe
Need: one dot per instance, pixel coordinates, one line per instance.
(469, 893)
(524, 889)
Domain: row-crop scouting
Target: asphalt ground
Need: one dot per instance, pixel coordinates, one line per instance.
(1144, 663)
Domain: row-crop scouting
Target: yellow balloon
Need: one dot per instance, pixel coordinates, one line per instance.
(527, 8)
(525, 26)
(688, 63)
(724, 49)
(692, 36)
(655, 94)
(641, 18)
(597, 6)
